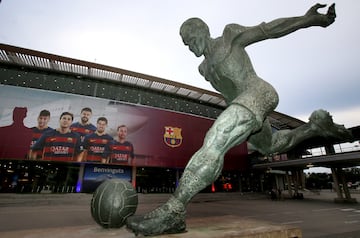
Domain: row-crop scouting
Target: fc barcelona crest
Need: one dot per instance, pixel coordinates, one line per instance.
(172, 136)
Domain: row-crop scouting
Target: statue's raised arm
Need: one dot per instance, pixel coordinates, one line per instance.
(283, 26)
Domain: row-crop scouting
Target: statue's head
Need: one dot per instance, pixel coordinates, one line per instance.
(195, 34)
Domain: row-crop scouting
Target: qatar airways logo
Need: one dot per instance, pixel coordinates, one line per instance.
(59, 150)
(123, 157)
(97, 149)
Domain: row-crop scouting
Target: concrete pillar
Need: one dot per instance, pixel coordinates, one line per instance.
(261, 182)
(240, 183)
(344, 183)
(288, 180)
(302, 179)
(336, 183)
(347, 199)
(296, 181)
(329, 149)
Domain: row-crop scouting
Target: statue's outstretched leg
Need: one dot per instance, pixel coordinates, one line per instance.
(321, 121)
(232, 127)
(320, 124)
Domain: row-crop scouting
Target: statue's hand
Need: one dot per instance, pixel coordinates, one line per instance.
(319, 19)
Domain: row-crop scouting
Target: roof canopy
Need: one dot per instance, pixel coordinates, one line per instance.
(40, 60)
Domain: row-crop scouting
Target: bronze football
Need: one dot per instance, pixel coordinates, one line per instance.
(113, 202)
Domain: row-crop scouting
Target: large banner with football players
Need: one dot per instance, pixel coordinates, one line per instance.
(45, 125)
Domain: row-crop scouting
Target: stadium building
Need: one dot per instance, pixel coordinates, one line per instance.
(166, 123)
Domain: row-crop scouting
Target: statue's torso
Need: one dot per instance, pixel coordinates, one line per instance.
(230, 71)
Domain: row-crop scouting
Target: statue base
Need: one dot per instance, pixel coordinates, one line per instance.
(236, 227)
(208, 227)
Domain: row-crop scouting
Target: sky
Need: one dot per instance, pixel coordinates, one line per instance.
(312, 68)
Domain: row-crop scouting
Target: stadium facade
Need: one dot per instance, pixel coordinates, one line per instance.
(166, 123)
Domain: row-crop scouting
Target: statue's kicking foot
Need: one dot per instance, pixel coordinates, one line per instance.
(322, 122)
(166, 219)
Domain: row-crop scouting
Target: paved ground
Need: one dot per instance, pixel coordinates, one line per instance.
(38, 215)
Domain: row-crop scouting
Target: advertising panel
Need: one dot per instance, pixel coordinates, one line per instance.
(95, 174)
(155, 137)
